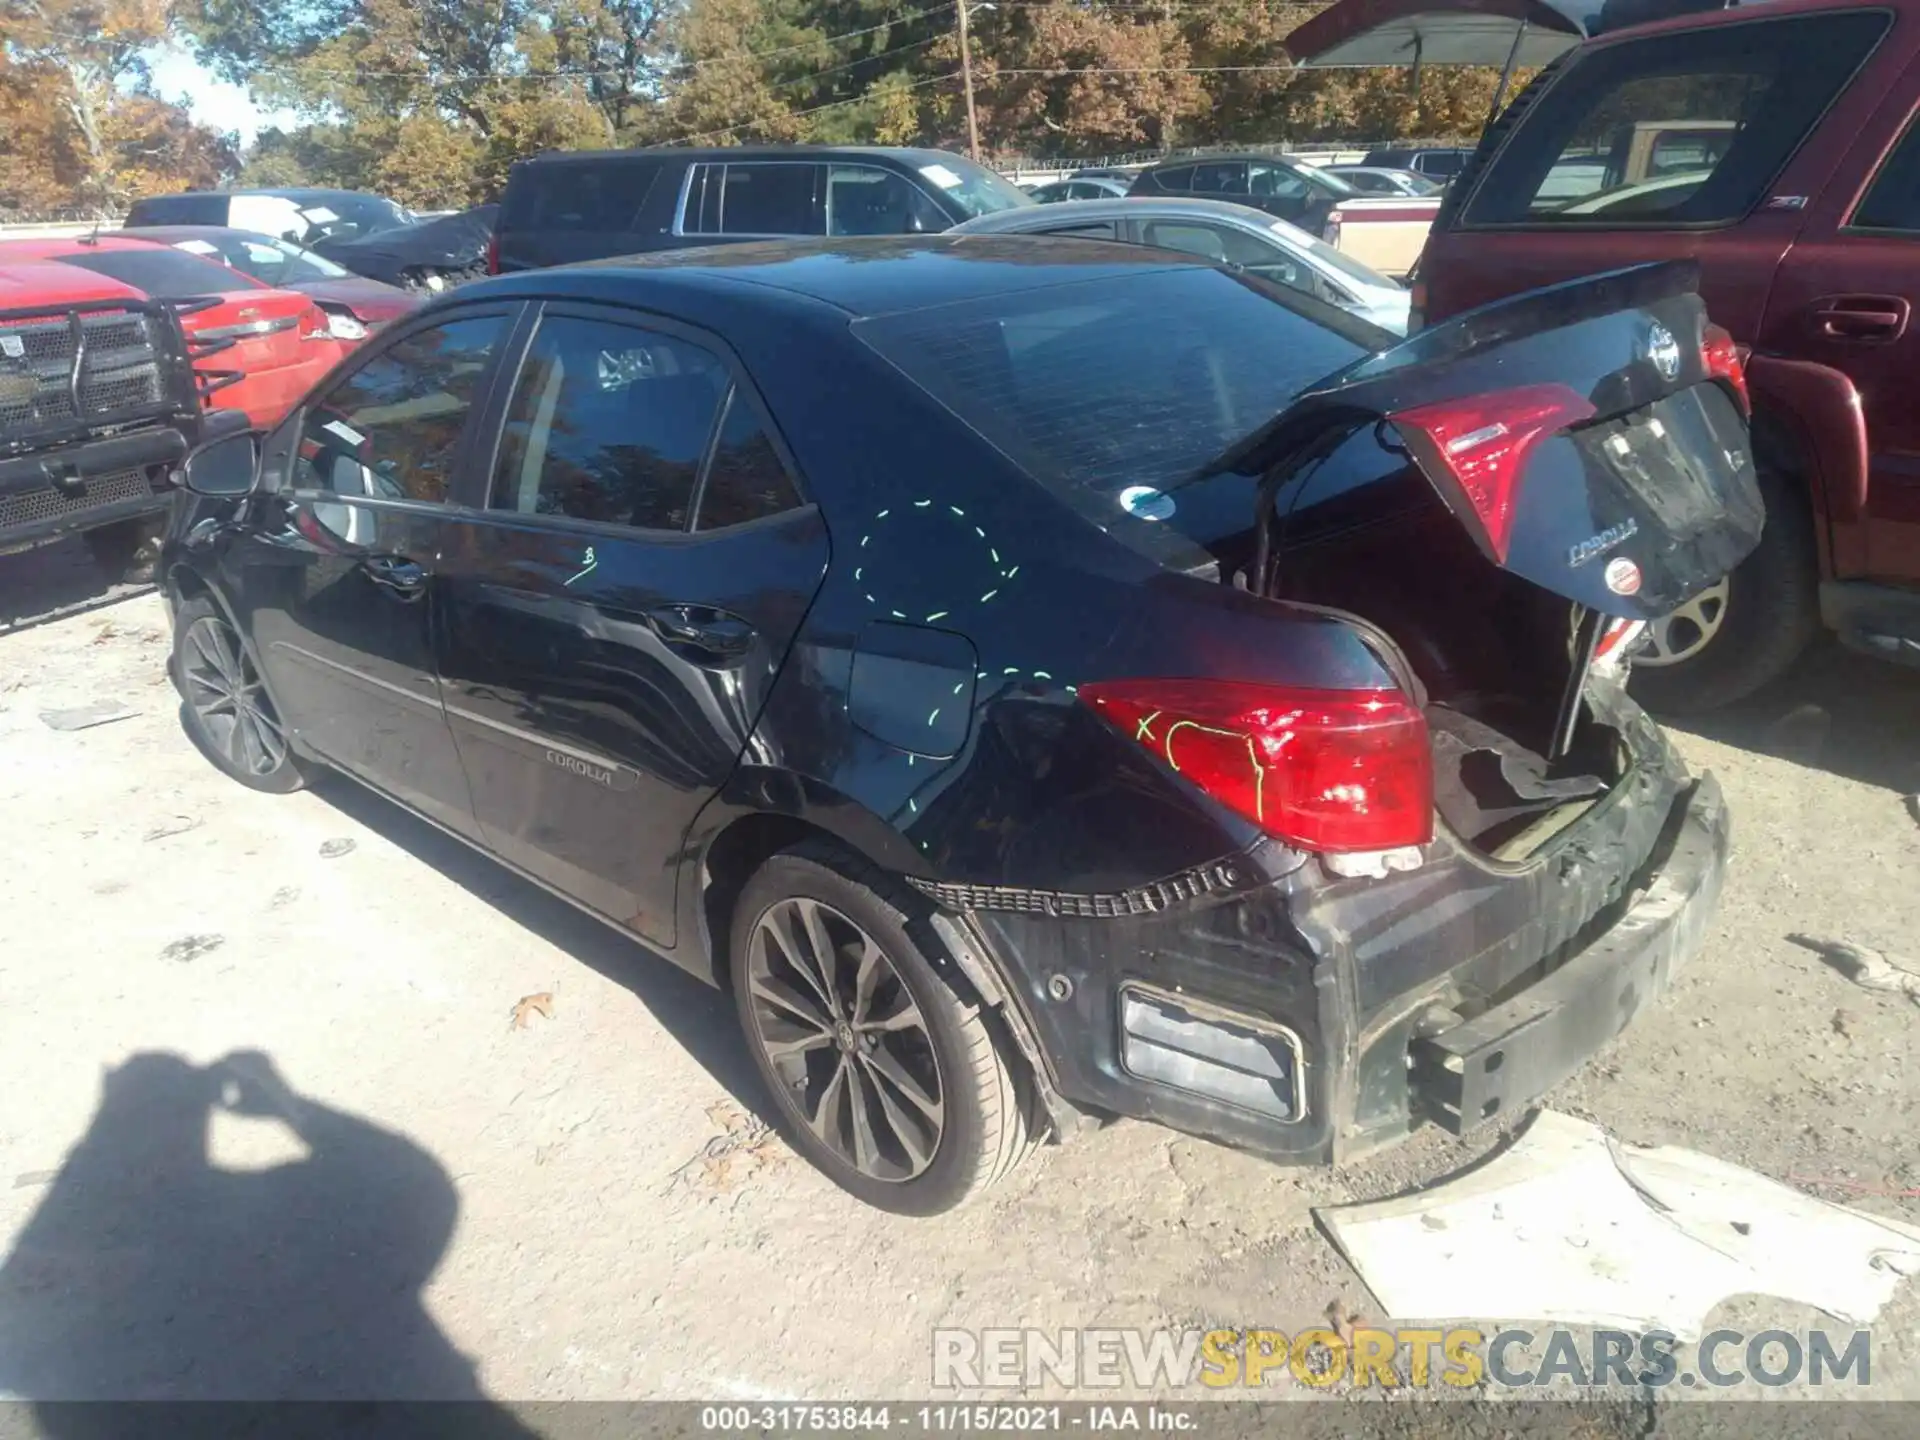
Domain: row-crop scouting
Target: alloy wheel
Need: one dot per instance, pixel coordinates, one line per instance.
(1676, 638)
(225, 694)
(846, 1039)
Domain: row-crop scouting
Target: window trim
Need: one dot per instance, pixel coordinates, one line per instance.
(1482, 171)
(285, 437)
(483, 463)
(1909, 131)
(686, 190)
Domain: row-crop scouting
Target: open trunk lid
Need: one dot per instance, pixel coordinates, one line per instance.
(1590, 437)
(1525, 33)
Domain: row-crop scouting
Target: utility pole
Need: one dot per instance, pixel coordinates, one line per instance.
(966, 78)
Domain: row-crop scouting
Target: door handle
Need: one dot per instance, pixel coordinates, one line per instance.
(716, 636)
(403, 577)
(1867, 319)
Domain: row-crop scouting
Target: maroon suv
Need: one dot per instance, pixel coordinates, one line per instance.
(1775, 142)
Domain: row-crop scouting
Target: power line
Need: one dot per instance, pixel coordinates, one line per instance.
(810, 110)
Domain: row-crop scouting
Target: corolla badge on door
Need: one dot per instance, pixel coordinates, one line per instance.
(1664, 351)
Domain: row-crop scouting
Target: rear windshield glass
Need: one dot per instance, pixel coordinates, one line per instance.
(163, 273)
(1684, 129)
(1138, 380)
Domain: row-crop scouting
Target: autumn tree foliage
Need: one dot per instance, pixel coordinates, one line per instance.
(79, 125)
(430, 101)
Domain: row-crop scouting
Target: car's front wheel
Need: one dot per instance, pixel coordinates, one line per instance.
(885, 1077)
(224, 704)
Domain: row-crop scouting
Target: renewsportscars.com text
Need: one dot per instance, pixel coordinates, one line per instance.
(1405, 1357)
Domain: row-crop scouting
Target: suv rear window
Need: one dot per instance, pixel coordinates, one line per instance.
(577, 196)
(1679, 129)
(1107, 384)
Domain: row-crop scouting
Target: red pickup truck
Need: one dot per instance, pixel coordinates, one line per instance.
(1778, 143)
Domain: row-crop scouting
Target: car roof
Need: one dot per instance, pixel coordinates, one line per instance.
(170, 234)
(284, 192)
(1228, 157)
(58, 247)
(908, 155)
(1017, 221)
(877, 276)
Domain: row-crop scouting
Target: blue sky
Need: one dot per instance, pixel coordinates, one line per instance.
(179, 77)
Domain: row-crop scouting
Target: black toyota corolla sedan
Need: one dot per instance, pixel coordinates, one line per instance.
(1041, 679)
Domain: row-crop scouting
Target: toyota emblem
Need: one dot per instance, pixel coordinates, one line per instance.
(1664, 351)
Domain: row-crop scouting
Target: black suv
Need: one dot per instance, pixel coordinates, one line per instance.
(589, 205)
(98, 403)
(1302, 195)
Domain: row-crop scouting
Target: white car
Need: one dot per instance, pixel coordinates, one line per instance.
(1229, 234)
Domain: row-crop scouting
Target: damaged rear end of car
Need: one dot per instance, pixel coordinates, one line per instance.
(1465, 859)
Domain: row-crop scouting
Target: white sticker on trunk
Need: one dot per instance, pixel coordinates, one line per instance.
(941, 176)
(1623, 576)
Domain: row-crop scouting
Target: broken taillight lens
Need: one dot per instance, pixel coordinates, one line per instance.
(1329, 770)
(1722, 359)
(493, 253)
(1482, 442)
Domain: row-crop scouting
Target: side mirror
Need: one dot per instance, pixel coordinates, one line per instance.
(226, 467)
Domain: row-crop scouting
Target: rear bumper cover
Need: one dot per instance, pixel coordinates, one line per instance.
(1372, 1066)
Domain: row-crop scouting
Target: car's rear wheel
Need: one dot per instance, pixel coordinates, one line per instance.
(885, 1077)
(224, 704)
(1738, 635)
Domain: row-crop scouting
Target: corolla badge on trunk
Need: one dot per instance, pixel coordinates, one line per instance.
(1596, 545)
(1664, 351)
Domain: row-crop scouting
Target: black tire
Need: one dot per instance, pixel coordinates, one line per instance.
(1772, 611)
(126, 551)
(988, 1125)
(238, 738)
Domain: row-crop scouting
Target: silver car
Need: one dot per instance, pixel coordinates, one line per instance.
(1216, 230)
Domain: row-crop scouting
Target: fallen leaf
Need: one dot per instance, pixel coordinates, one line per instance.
(527, 1006)
(334, 849)
(191, 947)
(178, 825)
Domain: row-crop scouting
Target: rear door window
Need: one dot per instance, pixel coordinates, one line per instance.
(1220, 178)
(771, 198)
(1682, 129)
(1180, 178)
(746, 479)
(608, 424)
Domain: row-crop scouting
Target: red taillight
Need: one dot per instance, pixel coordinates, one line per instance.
(1320, 769)
(493, 253)
(1483, 442)
(1722, 358)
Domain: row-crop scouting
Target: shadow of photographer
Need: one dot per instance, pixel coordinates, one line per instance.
(147, 1273)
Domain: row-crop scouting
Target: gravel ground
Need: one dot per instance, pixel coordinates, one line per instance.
(587, 1204)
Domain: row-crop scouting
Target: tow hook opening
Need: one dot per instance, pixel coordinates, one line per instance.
(1220, 1055)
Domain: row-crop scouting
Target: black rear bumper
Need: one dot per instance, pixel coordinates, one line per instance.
(1353, 975)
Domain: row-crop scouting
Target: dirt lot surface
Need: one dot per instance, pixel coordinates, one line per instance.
(271, 1124)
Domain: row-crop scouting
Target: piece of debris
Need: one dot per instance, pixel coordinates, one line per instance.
(284, 897)
(1343, 1320)
(528, 1006)
(1841, 1023)
(334, 849)
(1669, 1234)
(179, 825)
(106, 631)
(192, 947)
(1869, 969)
(27, 1179)
(85, 717)
(745, 1146)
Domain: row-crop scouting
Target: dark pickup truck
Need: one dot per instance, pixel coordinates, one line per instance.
(98, 406)
(1777, 144)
